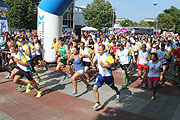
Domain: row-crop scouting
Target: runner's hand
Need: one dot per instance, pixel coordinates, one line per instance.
(101, 63)
(16, 60)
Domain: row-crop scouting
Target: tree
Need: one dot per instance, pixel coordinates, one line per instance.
(143, 23)
(165, 20)
(152, 24)
(127, 23)
(22, 13)
(99, 14)
(175, 13)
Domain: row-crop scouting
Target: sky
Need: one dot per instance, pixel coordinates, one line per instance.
(137, 10)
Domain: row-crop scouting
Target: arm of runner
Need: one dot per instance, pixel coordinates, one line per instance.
(110, 62)
(69, 59)
(28, 51)
(22, 62)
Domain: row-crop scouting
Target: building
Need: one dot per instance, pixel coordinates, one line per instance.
(149, 19)
(119, 20)
(73, 18)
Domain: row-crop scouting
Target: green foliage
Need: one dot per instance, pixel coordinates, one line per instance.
(143, 23)
(99, 14)
(172, 17)
(165, 20)
(22, 13)
(152, 24)
(127, 23)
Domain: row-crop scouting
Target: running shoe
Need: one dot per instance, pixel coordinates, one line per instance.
(97, 106)
(8, 77)
(19, 87)
(38, 80)
(88, 80)
(28, 88)
(64, 77)
(74, 92)
(88, 87)
(117, 97)
(39, 93)
(152, 98)
(143, 85)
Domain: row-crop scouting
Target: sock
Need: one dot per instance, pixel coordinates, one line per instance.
(98, 102)
(124, 79)
(118, 93)
(36, 74)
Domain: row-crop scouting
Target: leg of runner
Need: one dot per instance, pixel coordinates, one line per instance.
(76, 75)
(162, 75)
(124, 76)
(59, 69)
(86, 74)
(18, 81)
(34, 71)
(96, 94)
(144, 78)
(155, 83)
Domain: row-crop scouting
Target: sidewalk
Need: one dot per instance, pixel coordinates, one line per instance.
(57, 102)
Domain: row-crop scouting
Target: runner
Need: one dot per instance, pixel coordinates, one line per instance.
(25, 49)
(162, 55)
(23, 70)
(86, 62)
(105, 62)
(122, 57)
(177, 58)
(142, 62)
(77, 60)
(154, 68)
(63, 53)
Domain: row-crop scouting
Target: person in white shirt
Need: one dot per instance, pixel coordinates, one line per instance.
(154, 68)
(123, 58)
(142, 62)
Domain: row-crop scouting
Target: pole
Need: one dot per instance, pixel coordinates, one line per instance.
(113, 19)
(156, 26)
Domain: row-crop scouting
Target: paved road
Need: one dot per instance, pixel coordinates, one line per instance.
(58, 103)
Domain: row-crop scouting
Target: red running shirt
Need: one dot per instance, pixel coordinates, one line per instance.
(177, 53)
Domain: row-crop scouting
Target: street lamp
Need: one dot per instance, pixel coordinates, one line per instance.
(156, 26)
(113, 19)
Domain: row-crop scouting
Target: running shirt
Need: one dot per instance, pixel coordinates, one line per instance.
(161, 55)
(169, 48)
(25, 48)
(78, 64)
(144, 57)
(62, 50)
(177, 53)
(20, 56)
(154, 69)
(87, 51)
(106, 58)
(96, 45)
(38, 48)
(33, 53)
(123, 56)
(18, 43)
(135, 49)
(55, 45)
